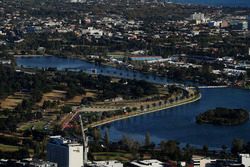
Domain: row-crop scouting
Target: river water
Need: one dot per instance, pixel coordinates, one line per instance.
(179, 123)
(81, 65)
(176, 123)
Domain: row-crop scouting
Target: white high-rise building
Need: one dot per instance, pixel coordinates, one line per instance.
(199, 18)
(65, 153)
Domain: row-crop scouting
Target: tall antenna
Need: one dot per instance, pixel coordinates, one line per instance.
(85, 143)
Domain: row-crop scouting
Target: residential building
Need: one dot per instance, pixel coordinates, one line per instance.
(144, 58)
(106, 164)
(41, 163)
(224, 24)
(200, 161)
(27, 163)
(239, 25)
(78, 1)
(199, 18)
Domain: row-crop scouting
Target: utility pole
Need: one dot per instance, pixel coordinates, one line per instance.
(85, 143)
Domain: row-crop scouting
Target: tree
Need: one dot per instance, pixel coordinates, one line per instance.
(142, 107)
(22, 153)
(188, 152)
(106, 138)
(130, 144)
(160, 103)
(223, 152)
(147, 139)
(224, 148)
(237, 146)
(37, 150)
(66, 109)
(96, 134)
(247, 147)
(170, 149)
(134, 108)
(205, 149)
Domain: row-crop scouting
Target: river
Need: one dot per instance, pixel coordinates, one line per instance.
(176, 123)
(74, 64)
(179, 123)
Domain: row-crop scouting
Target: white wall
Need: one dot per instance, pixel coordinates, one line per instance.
(245, 159)
(75, 156)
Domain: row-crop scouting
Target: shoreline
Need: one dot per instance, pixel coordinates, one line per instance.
(139, 113)
(105, 65)
(31, 56)
(214, 5)
(213, 87)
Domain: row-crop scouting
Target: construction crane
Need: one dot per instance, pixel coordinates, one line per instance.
(85, 143)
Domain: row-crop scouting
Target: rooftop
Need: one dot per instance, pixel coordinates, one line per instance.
(148, 163)
(59, 140)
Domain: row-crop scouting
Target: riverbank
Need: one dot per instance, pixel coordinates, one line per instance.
(214, 4)
(81, 64)
(179, 123)
(138, 113)
(213, 87)
(31, 56)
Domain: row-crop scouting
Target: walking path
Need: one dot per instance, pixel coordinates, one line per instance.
(71, 116)
(138, 113)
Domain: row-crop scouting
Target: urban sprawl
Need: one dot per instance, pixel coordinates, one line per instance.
(51, 117)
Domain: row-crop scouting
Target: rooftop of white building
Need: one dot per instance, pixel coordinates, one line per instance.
(148, 163)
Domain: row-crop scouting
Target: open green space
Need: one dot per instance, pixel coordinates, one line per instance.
(8, 148)
(120, 156)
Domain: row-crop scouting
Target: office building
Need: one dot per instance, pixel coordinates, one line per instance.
(66, 153)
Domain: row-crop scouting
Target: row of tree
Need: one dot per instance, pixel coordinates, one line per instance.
(166, 150)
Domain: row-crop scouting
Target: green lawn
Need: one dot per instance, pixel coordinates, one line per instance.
(120, 156)
(11, 148)
(8, 148)
(39, 125)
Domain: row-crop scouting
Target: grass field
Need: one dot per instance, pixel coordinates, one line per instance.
(77, 99)
(38, 125)
(8, 148)
(120, 156)
(13, 100)
(54, 95)
(58, 95)
(11, 148)
(42, 124)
